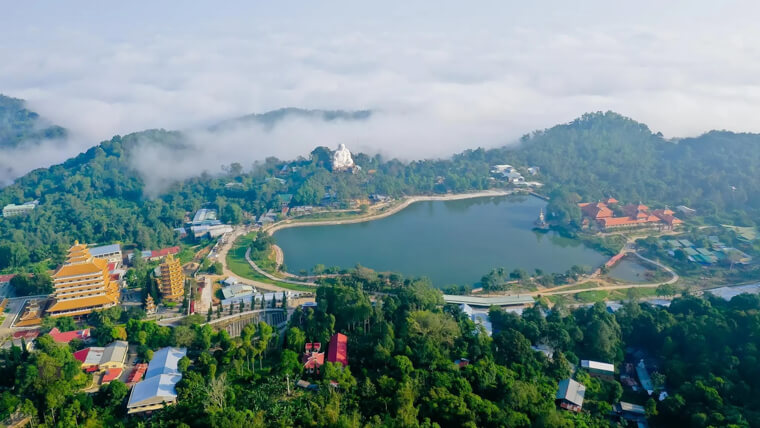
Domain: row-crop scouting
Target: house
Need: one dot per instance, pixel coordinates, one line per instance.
(67, 336)
(163, 252)
(5, 280)
(137, 373)
(533, 170)
(11, 210)
(111, 253)
(110, 375)
(237, 293)
(313, 359)
(514, 177)
(157, 390)
(481, 318)
(502, 169)
(461, 363)
(203, 215)
(570, 395)
(210, 230)
(644, 379)
(112, 356)
(599, 369)
(629, 411)
(229, 281)
(337, 349)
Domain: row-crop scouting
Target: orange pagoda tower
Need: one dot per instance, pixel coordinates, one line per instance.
(82, 285)
(172, 280)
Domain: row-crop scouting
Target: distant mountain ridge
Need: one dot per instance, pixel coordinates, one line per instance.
(272, 118)
(19, 125)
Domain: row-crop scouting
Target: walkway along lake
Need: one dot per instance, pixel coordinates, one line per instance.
(450, 242)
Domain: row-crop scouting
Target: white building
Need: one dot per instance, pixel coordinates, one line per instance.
(112, 253)
(157, 390)
(502, 169)
(11, 210)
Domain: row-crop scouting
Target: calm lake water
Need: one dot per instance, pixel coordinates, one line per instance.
(629, 271)
(450, 242)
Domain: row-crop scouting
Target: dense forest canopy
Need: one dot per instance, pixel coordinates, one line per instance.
(20, 125)
(402, 346)
(99, 197)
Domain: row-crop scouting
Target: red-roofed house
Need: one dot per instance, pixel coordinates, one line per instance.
(137, 373)
(160, 254)
(6, 279)
(67, 336)
(312, 358)
(26, 334)
(110, 375)
(337, 351)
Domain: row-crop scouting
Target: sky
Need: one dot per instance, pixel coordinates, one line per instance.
(442, 76)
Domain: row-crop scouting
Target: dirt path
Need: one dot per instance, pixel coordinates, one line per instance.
(609, 286)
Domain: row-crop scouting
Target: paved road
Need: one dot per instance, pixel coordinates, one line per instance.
(222, 258)
(272, 277)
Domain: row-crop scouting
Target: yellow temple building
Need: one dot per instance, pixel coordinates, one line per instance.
(82, 285)
(171, 282)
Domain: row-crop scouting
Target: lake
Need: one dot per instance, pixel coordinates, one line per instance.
(628, 270)
(450, 242)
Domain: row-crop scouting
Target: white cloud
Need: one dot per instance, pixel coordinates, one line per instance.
(443, 78)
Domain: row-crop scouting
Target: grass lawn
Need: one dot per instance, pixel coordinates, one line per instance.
(237, 263)
(592, 296)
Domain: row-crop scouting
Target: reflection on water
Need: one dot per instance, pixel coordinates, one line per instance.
(629, 271)
(451, 242)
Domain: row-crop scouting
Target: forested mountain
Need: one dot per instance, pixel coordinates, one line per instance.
(99, 197)
(606, 154)
(271, 118)
(17, 124)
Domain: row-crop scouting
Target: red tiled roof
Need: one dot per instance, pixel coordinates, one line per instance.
(313, 360)
(164, 252)
(611, 200)
(7, 278)
(337, 349)
(596, 211)
(137, 373)
(26, 334)
(111, 374)
(68, 336)
(81, 355)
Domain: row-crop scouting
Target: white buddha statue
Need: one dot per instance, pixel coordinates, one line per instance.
(341, 159)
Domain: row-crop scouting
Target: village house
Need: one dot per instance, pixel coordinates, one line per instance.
(97, 358)
(157, 390)
(599, 369)
(570, 395)
(337, 349)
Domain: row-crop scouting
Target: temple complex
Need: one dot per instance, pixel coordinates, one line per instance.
(82, 284)
(171, 280)
(633, 215)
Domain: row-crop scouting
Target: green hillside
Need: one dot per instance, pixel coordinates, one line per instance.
(17, 124)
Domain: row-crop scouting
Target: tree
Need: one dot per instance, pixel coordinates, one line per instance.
(209, 314)
(284, 300)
